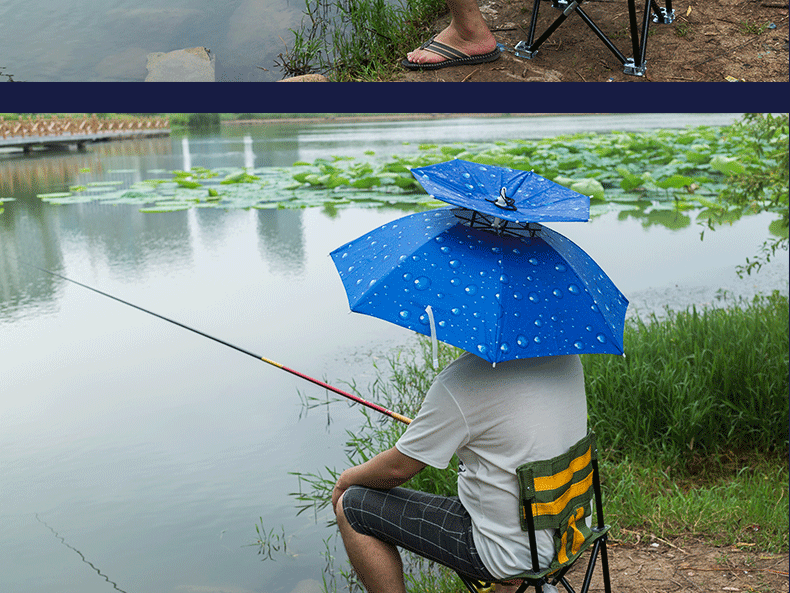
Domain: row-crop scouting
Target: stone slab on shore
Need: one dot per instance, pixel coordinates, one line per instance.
(195, 64)
(306, 78)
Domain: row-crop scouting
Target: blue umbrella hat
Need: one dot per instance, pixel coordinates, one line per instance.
(501, 195)
(527, 292)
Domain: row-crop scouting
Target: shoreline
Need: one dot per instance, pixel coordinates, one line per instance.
(382, 117)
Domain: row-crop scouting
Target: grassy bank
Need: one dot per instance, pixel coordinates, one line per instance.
(355, 40)
(692, 425)
(700, 383)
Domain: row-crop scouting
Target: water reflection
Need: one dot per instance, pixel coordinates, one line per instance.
(187, 158)
(87, 40)
(249, 156)
(281, 241)
(33, 234)
(649, 215)
(386, 138)
(31, 175)
(47, 171)
(131, 242)
(23, 290)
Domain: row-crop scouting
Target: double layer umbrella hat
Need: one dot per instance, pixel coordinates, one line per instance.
(477, 279)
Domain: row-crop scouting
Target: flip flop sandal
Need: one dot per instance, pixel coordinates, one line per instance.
(454, 57)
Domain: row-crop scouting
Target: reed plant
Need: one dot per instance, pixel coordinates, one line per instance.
(357, 39)
(401, 387)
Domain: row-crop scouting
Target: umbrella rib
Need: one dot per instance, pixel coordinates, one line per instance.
(540, 192)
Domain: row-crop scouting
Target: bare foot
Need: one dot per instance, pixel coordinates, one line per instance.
(471, 45)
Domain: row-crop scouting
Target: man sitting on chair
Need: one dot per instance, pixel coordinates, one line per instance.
(494, 419)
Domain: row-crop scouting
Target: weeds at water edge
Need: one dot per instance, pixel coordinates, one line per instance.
(357, 39)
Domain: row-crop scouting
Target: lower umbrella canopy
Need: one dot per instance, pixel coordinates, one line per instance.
(531, 294)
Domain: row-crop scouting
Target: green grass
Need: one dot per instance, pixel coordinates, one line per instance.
(708, 382)
(683, 30)
(694, 424)
(752, 28)
(357, 40)
(745, 505)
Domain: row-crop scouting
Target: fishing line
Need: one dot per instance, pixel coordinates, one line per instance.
(296, 373)
(85, 560)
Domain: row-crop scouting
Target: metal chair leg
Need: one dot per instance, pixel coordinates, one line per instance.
(635, 65)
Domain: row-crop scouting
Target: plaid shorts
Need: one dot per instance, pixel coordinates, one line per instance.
(436, 527)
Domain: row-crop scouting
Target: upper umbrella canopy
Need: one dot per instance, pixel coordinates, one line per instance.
(507, 194)
(526, 293)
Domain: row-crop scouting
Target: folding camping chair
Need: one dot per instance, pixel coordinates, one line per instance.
(557, 494)
(635, 65)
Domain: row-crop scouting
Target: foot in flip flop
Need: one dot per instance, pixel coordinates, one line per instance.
(434, 54)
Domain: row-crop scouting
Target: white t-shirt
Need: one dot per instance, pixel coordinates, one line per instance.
(495, 419)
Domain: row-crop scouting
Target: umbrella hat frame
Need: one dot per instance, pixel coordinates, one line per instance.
(526, 293)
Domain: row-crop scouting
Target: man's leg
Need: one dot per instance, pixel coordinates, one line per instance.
(467, 32)
(436, 527)
(377, 563)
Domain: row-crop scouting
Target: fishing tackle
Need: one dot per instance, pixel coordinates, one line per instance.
(282, 367)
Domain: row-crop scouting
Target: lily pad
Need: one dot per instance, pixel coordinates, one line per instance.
(172, 206)
(70, 199)
(675, 181)
(54, 195)
(189, 184)
(239, 177)
(727, 165)
(104, 183)
(631, 174)
(589, 187)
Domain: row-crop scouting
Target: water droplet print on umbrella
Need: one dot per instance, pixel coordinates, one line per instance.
(500, 297)
(474, 265)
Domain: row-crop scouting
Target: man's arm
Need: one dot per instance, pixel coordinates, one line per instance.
(386, 470)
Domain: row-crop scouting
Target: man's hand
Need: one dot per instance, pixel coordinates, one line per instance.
(338, 491)
(386, 470)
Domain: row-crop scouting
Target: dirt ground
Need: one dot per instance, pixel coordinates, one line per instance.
(709, 41)
(662, 566)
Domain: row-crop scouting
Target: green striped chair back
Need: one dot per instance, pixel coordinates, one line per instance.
(558, 494)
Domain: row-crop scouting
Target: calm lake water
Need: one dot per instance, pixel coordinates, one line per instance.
(108, 40)
(153, 452)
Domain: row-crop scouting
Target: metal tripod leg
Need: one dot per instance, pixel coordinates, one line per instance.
(636, 65)
(664, 16)
(532, 48)
(618, 54)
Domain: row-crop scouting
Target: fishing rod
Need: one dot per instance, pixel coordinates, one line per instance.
(282, 367)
